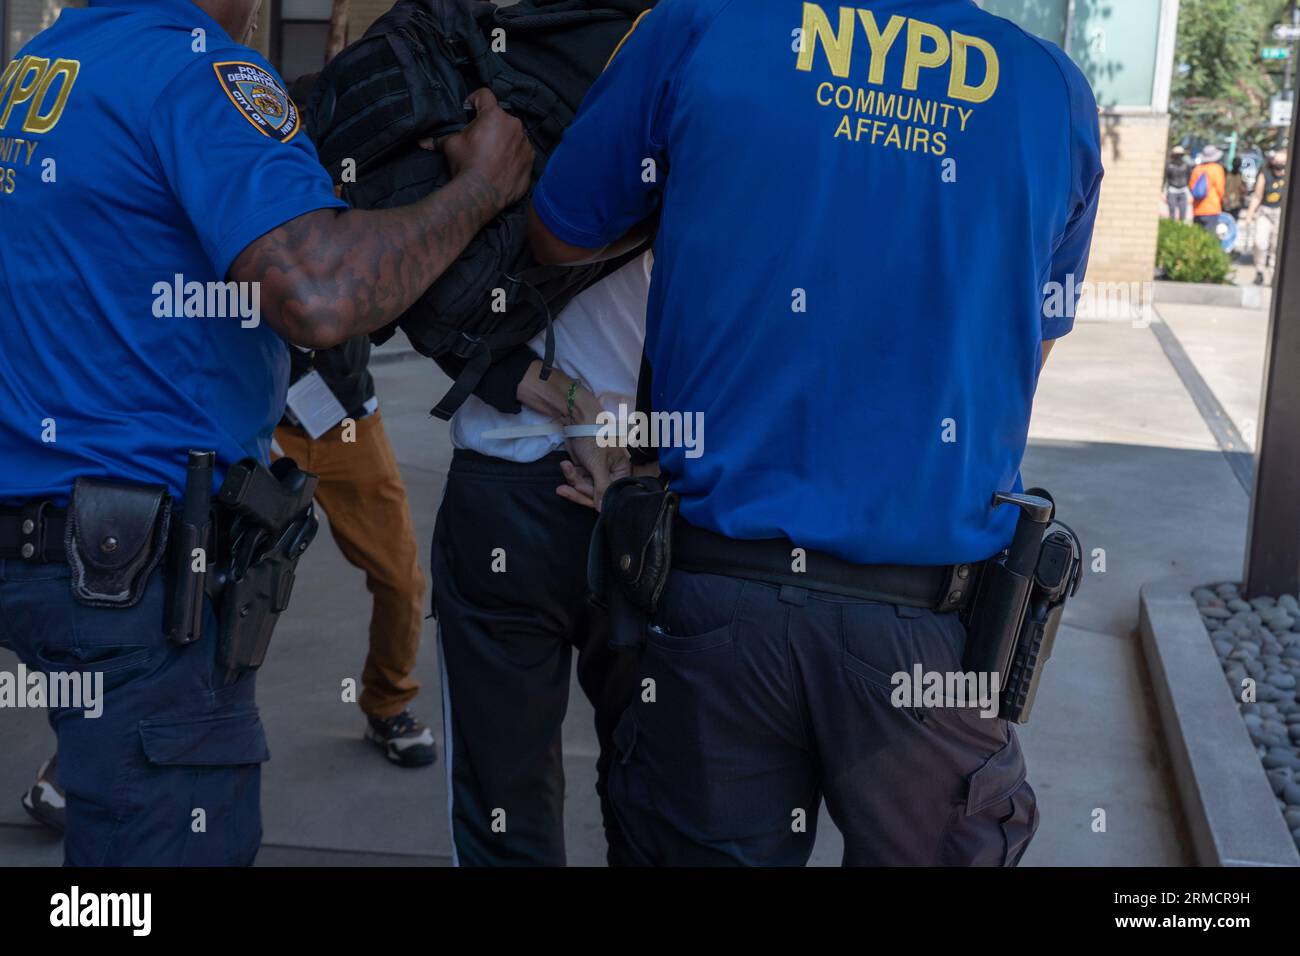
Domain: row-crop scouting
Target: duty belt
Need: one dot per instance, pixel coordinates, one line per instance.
(33, 533)
(941, 589)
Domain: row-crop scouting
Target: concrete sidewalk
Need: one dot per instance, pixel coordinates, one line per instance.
(1117, 438)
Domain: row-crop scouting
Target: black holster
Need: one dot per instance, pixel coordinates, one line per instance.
(1012, 622)
(266, 521)
(631, 555)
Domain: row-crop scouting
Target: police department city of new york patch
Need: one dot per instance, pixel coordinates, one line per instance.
(259, 97)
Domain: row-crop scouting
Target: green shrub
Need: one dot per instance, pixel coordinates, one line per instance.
(1188, 253)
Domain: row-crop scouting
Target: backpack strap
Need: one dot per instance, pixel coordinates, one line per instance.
(478, 349)
(480, 360)
(526, 284)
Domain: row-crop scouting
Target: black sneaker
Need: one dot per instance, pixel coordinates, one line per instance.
(405, 741)
(45, 800)
(1259, 278)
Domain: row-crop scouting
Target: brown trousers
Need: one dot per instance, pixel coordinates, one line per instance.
(362, 494)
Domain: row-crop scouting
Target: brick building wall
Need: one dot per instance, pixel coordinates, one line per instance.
(1133, 152)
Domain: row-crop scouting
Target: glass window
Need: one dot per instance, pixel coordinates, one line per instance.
(1046, 18)
(1115, 44)
(1113, 41)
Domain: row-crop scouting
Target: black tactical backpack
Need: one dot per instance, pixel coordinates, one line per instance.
(409, 78)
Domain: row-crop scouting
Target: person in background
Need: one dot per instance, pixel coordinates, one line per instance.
(1266, 212)
(1177, 175)
(334, 428)
(1209, 185)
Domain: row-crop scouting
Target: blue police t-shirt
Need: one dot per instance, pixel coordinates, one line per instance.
(865, 213)
(141, 150)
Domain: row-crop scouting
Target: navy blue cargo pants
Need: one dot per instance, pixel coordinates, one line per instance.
(758, 701)
(169, 773)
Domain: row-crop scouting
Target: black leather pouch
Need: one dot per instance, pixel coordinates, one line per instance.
(116, 535)
(631, 554)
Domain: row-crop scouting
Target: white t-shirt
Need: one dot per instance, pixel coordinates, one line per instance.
(598, 341)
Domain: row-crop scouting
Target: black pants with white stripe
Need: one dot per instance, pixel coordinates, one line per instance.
(509, 587)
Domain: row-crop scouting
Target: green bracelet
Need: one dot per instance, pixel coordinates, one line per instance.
(573, 393)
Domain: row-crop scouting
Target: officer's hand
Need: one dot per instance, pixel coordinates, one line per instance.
(492, 147)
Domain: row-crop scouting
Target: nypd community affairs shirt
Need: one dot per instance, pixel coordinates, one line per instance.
(141, 150)
(863, 209)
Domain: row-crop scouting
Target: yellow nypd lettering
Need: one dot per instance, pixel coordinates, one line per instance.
(882, 84)
(64, 72)
(880, 42)
(958, 88)
(26, 78)
(31, 81)
(7, 77)
(926, 47)
(36, 90)
(924, 125)
(912, 139)
(838, 46)
(918, 57)
(14, 149)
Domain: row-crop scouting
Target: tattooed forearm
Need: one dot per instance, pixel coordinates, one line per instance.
(328, 276)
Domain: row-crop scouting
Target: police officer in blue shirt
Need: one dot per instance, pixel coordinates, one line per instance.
(145, 157)
(863, 210)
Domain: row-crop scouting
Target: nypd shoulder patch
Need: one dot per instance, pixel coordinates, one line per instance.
(259, 97)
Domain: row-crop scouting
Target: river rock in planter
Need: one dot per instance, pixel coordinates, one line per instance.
(1282, 758)
(1279, 780)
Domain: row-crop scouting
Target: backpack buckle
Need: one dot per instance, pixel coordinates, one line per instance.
(467, 346)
